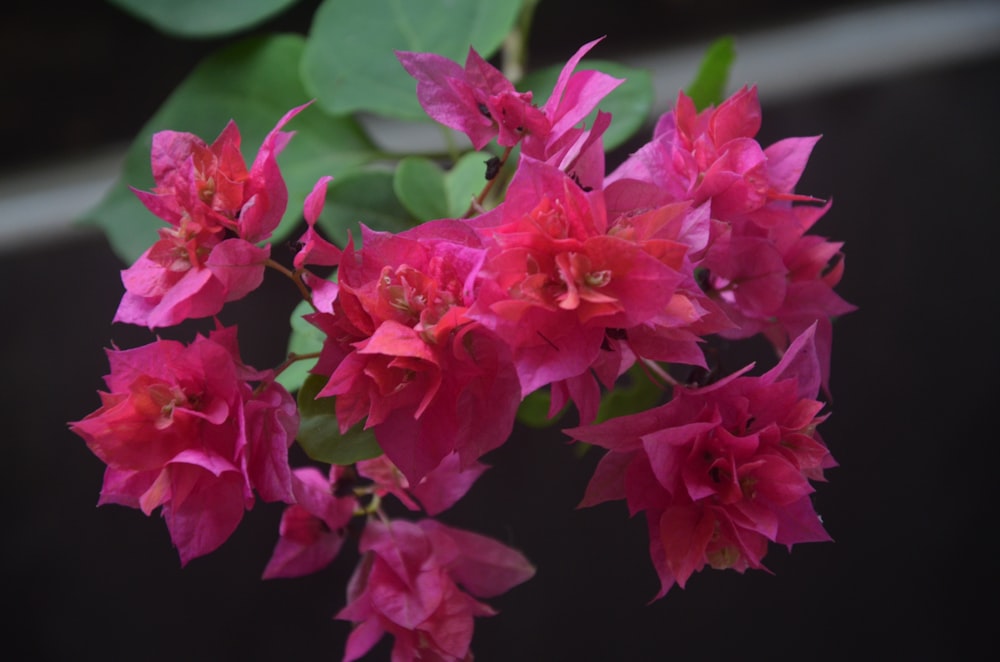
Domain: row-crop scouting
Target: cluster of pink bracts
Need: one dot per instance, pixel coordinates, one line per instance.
(434, 336)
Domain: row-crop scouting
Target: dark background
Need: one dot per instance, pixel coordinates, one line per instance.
(911, 165)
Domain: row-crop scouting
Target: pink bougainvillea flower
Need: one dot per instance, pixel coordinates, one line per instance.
(181, 427)
(720, 471)
(713, 155)
(482, 103)
(189, 274)
(555, 281)
(780, 283)
(218, 211)
(419, 582)
(401, 354)
(312, 529)
(478, 100)
(212, 185)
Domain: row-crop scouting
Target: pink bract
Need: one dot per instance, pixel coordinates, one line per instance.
(402, 354)
(417, 582)
(720, 471)
(182, 428)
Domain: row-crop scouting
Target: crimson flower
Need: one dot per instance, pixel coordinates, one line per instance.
(181, 427)
(720, 471)
(419, 582)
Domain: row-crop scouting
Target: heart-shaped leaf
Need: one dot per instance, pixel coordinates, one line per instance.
(349, 62)
(362, 197)
(709, 85)
(201, 18)
(429, 192)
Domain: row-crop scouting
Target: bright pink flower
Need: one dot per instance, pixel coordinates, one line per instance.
(181, 427)
(712, 155)
(402, 354)
(211, 185)
(188, 274)
(482, 103)
(779, 281)
(720, 471)
(557, 282)
(410, 584)
(479, 101)
(217, 211)
(312, 529)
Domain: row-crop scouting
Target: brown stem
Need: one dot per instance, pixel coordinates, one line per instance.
(477, 204)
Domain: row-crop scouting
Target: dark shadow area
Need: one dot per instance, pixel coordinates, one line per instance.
(910, 164)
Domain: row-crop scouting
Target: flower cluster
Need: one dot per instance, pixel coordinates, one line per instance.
(434, 336)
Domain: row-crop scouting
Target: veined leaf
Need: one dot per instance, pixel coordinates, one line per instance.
(349, 62)
(319, 433)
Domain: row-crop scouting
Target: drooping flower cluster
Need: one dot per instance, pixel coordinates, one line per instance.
(433, 337)
(719, 471)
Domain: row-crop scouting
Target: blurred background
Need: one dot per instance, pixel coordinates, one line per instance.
(905, 96)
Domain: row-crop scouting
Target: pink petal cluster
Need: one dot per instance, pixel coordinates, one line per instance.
(720, 471)
(402, 354)
(419, 582)
(579, 295)
(760, 267)
(182, 427)
(482, 103)
(217, 212)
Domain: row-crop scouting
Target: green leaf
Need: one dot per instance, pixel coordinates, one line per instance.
(637, 393)
(709, 85)
(630, 104)
(304, 339)
(203, 18)
(534, 410)
(349, 63)
(362, 197)
(254, 82)
(429, 192)
(319, 433)
(419, 185)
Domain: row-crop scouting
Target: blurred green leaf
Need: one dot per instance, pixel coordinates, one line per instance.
(634, 394)
(534, 410)
(362, 197)
(349, 63)
(304, 339)
(255, 82)
(319, 433)
(429, 192)
(630, 104)
(709, 85)
(203, 18)
(419, 185)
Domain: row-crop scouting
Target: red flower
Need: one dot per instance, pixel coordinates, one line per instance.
(181, 427)
(720, 471)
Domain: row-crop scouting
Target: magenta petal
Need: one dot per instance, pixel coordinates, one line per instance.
(485, 567)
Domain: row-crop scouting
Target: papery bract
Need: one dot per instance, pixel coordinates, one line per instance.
(437, 491)
(556, 282)
(312, 529)
(181, 427)
(410, 584)
(401, 353)
(720, 471)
